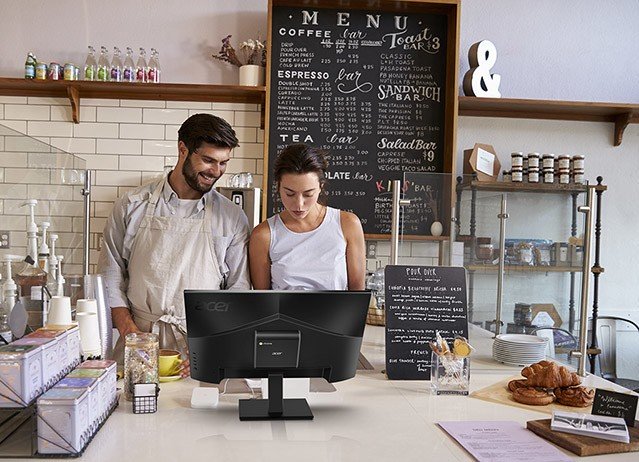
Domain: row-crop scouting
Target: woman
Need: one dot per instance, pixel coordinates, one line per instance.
(309, 245)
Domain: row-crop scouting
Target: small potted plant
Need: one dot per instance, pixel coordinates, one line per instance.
(251, 62)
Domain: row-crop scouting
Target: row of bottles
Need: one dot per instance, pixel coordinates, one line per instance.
(39, 278)
(115, 70)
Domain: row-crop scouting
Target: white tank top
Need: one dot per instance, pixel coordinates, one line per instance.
(315, 260)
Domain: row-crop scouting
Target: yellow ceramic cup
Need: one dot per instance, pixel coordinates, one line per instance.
(168, 363)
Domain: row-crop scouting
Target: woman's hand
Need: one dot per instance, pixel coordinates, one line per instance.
(185, 368)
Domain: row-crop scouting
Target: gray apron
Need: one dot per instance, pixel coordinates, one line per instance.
(168, 255)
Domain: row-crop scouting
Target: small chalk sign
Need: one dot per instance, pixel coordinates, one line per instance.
(421, 300)
(615, 404)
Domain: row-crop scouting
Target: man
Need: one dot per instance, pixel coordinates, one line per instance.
(173, 234)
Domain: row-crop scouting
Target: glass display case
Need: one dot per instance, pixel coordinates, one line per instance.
(31, 169)
(534, 230)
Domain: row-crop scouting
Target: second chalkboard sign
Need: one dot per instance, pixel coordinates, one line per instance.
(375, 88)
(421, 300)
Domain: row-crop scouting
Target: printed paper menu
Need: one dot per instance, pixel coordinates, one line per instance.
(502, 441)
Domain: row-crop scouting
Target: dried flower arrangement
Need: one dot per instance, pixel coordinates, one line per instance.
(252, 51)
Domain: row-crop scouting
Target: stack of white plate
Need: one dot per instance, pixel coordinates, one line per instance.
(519, 349)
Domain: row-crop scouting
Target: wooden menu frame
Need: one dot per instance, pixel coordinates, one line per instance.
(448, 8)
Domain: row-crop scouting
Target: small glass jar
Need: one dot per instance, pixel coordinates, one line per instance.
(564, 176)
(449, 374)
(517, 174)
(517, 159)
(140, 361)
(549, 176)
(578, 176)
(533, 160)
(564, 162)
(533, 175)
(523, 314)
(578, 162)
(506, 176)
(548, 161)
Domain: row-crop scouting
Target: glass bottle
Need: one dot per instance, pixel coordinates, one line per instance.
(140, 361)
(104, 69)
(43, 253)
(31, 278)
(29, 66)
(128, 73)
(116, 66)
(141, 68)
(154, 67)
(90, 65)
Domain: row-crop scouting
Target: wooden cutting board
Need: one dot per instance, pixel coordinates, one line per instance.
(584, 445)
(498, 393)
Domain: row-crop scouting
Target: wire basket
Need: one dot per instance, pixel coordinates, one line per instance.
(376, 316)
(145, 398)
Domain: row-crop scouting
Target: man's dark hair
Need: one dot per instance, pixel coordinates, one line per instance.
(207, 128)
(301, 158)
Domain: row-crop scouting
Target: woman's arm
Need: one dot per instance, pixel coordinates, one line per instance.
(259, 260)
(355, 250)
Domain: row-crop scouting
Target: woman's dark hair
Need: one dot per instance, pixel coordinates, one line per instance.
(207, 128)
(302, 158)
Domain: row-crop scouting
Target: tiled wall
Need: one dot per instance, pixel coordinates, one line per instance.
(127, 143)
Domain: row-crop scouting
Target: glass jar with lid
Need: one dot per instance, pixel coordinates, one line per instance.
(140, 360)
(533, 160)
(517, 159)
(548, 161)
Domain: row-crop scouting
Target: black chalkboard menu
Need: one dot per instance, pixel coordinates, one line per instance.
(370, 86)
(421, 300)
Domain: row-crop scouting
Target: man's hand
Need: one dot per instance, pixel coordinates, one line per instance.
(123, 321)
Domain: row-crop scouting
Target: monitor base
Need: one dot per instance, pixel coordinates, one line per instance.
(258, 409)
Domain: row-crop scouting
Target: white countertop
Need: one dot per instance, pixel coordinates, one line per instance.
(368, 418)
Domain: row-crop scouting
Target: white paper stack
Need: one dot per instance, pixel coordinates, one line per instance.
(519, 349)
(596, 426)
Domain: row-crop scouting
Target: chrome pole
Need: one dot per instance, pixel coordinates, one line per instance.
(585, 279)
(86, 192)
(453, 223)
(503, 216)
(397, 203)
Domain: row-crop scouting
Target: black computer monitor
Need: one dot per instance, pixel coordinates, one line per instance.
(274, 334)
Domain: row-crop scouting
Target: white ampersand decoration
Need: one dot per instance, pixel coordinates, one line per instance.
(478, 81)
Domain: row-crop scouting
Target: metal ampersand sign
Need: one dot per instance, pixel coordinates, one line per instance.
(478, 81)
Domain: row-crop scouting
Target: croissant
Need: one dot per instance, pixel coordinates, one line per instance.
(550, 375)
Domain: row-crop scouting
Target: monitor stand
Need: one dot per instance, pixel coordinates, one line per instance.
(275, 407)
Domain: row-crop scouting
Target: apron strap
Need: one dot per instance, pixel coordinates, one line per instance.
(155, 196)
(171, 332)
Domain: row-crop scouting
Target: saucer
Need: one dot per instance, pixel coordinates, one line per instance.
(170, 378)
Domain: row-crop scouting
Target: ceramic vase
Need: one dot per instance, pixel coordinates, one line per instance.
(251, 75)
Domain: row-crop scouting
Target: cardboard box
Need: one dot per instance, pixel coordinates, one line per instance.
(560, 255)
(547, 310)
(482, 160)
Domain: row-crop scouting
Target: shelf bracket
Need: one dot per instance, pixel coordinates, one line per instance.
(74, 97)
(621, 122)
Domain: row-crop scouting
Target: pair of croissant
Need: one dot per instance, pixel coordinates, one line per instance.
(547, 374)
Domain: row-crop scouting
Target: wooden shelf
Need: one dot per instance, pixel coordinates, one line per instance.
(620, 114)
(525, 269)
(75, 90)
(505, 186)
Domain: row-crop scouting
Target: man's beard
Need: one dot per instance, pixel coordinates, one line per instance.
(191, 177)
